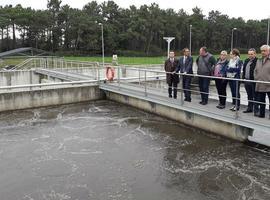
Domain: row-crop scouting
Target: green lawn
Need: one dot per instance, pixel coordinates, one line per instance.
(121, 60)
(131, 60)
(11, 61)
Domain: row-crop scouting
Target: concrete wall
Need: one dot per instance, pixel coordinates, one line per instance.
(49, 97)
(11, 78)
(202, 122)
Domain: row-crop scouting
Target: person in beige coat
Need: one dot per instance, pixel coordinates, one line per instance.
(262, 73)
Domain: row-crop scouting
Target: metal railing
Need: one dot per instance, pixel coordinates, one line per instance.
(143, 75)
(53, 63)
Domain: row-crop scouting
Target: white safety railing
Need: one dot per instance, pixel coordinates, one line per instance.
(53, 63)
(143, 77)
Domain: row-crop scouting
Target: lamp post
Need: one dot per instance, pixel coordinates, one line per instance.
(190, 34)
(169, 40)
(234, 29)
(102, 38)
(268, 30)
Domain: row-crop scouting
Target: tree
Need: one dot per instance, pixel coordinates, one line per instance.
(134, 30)
(54, 11)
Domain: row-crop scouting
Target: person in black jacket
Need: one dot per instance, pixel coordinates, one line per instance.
(248, 74)
(185, 67)
(221, 84)
(171, 77)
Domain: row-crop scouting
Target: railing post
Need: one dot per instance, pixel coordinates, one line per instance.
(98, 75)
(236, 100)
(145, 86)
(139, 77)
(182, 89)
(118, 77)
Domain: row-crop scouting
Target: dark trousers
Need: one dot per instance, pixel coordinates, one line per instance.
(173, 87)
(204, 88)
(250, 89)
(235, 94)
(186, 87)
(262, 96)
(221, 86)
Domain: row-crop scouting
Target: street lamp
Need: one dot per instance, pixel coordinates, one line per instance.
(102, 38)
(169, 40)
(190, 32)
(234, 29)
(268, 30)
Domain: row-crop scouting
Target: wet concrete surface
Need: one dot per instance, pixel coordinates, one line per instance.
(104, 150)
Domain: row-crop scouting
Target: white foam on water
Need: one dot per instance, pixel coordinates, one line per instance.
(86, 152)
(41, 137)
(97, 109)
(225, 164)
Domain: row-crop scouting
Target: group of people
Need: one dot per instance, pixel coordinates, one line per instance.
(225, 71)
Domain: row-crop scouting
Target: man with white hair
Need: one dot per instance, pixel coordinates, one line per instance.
(262, 73)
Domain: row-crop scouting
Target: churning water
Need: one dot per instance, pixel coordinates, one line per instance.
(108, 151)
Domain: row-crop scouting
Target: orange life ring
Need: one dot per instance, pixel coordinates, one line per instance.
(110, 73)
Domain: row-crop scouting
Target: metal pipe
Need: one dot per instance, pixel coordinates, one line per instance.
(268, 31)
(232, 38)
(118, 77)
(237, 98)
(190, 35)
(182, 90)
(145, 84)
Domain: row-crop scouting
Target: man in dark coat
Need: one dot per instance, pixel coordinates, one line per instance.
(206, 63)
(185, 67)
(171, 77)
(248, 74)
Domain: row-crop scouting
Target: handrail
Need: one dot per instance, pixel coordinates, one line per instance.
(203, 76)
(46, 84)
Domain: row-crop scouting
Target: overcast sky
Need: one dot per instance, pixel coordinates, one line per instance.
(259, 9)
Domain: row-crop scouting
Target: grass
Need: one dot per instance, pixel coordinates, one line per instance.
(133, 60)
(121, 60)
(11, 61)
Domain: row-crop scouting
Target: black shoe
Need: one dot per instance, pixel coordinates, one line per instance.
(256, 114)
(248, 111)
(170, 96)
(220, 106)
(261, 116)
(175, 97)
(204, 103)
(188, 100)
